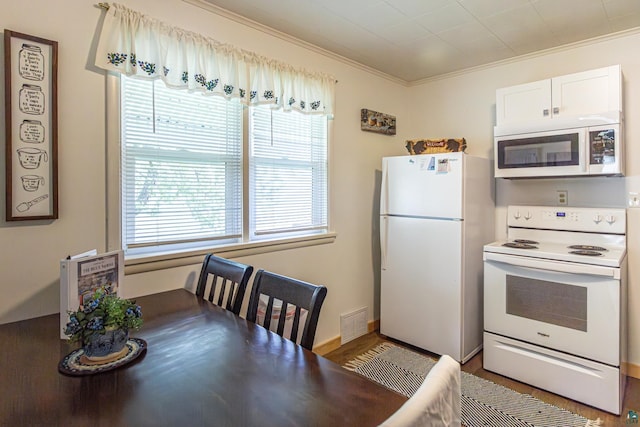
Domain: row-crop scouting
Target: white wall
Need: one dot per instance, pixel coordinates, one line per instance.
(453, 106)
(463, 105)
(30, 251)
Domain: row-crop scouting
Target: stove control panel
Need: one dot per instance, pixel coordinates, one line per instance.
(599, 220)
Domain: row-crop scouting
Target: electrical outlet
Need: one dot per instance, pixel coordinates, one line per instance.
(633, 200)
(562, 197)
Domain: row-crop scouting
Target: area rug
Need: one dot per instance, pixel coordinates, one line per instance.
(484, 403)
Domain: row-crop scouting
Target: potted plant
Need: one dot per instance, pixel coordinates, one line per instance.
(102, 324)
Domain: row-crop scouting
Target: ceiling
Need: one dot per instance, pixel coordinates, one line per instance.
(413, 40)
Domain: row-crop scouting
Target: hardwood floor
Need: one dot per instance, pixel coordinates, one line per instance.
(631, 402)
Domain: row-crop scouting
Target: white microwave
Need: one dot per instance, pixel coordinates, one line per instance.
(570, 151)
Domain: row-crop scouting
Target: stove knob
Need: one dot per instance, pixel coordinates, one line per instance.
(597, 219)
(610, 219)
(527, 216)
(516, 215)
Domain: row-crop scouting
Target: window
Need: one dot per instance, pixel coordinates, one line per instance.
(288, 173)
(184, 178)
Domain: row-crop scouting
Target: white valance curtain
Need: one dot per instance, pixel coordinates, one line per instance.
(136, 45)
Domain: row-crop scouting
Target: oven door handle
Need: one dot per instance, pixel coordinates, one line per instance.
(562, 267)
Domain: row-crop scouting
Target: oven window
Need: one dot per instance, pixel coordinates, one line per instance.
(553, 150)
(549, 302)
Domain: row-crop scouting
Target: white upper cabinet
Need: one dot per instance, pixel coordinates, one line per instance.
(529, 101)
(570, 96)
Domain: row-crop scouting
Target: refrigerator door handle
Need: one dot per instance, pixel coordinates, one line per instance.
(384, 226)
(384, 190)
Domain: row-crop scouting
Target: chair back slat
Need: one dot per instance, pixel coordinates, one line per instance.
(282, 319)
(212, 290)
(222, 293)
(296, 324)
(291, 293)
(229, 282)
(268, 313)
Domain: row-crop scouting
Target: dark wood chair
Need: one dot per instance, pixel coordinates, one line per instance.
(297, 298)
(228, 284)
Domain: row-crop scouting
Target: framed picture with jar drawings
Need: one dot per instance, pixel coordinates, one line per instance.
(30, 66)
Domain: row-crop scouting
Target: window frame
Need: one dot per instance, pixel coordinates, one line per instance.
(174, 258)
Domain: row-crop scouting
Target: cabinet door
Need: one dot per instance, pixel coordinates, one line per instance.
(522, 103)
(589, 92)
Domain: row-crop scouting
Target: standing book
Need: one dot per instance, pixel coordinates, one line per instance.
(82, 274)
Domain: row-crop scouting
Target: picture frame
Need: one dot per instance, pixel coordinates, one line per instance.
(373, 121)
(31, 126)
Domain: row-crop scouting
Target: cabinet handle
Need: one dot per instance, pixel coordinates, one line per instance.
(545, 112)
(556, 110)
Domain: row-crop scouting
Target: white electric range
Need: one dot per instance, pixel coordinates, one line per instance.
(555, 302)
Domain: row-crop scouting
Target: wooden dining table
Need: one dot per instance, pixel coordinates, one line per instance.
(203, 366)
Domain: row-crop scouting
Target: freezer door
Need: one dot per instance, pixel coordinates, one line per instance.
(424, 185)
(420, 301)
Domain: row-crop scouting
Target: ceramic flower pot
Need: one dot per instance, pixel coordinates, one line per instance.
(105, 346)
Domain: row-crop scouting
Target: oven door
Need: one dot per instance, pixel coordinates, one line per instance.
(554, 304)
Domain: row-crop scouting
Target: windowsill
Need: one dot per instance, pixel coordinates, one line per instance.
(145, 263)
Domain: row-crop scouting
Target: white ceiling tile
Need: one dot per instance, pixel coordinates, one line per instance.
(412, 8)
(562, 9)
(484, 8)
(579, 34)
(432, 48)
(464, 34)
(515, 17)
(620, 8)
(445, 18)
(518, 25)
(338, 7)
(581, 23)
(404, 33)
(625, 22)
(525, 46)
(376, 16)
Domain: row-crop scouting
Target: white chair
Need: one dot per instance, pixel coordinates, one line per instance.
(437, 401)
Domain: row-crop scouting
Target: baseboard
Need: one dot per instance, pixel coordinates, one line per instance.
(327, 346)
(633, 370)
(334, 343)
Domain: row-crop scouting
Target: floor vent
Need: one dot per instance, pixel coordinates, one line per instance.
(353, 325)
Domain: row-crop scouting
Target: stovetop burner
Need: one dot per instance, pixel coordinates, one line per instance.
(562, 235)
(587, 248)
(519, 245)
(586, 253)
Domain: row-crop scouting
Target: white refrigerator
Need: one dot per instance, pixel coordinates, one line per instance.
(436, 214)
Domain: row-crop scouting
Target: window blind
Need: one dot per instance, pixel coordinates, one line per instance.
(181, 165)
(287, 172)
